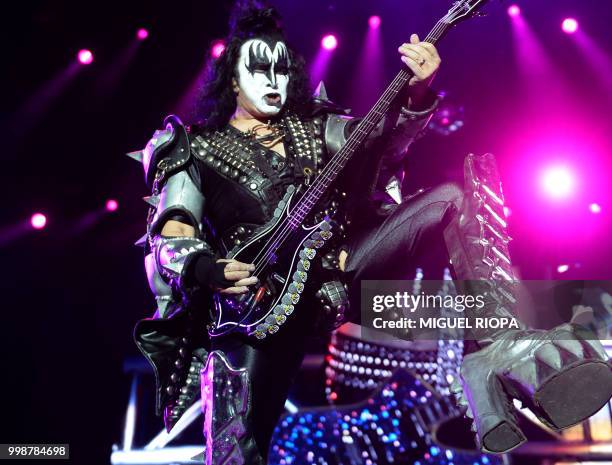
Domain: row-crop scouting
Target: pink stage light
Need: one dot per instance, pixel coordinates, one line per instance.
(38, 221)
(514, 11)
(569, 25)
(374, 22)
(112, 205)
(217, 49)
(85, 56)
(595, 208)
(562, 268)
(329, 42)
(558, 182)
(142, 33)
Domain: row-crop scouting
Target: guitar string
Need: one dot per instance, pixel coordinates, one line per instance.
(303, 207)
(312, 195)
(306, 202)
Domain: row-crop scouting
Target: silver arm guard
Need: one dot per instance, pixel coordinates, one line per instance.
(170, 172)
(398, 132)
(395, 134)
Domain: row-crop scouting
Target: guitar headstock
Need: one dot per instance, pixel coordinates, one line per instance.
(462, 10)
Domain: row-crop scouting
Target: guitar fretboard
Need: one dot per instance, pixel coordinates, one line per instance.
(331, 171)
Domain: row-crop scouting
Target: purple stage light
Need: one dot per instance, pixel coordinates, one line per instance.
(112, 205)
(558, 182)
(329, 42)
(597, 57)
(514, 11)
(595, 208)
(38, 221)
(374, 22)
(217, 49)
(85, 56)
(448, 119)
(562, 268)
(569, 25)
(142, 33)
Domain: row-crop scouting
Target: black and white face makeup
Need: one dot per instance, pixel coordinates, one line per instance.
(263, 75)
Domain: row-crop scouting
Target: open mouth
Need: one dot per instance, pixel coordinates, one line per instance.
(273, 99)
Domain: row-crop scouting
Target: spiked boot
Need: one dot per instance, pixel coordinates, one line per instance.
(562, 375)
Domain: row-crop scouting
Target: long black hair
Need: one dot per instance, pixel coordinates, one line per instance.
(216, 101)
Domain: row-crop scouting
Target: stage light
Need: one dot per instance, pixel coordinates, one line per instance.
(448, 119)
(112, 205)
(142, 33)
(217, 49)
(514, 11)
(569, 25)
(85, 56)
(595, 208)
(558, 182)
(38, 221)
(374, 22)
(562, 268)
(329, 42)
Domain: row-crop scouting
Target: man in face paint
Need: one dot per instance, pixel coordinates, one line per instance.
(262, 77)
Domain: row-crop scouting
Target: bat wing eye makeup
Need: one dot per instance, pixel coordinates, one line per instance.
(263, 71)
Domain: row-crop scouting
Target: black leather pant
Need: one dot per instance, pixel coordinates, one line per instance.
(272, 365)
(391, 250)
(411, 237)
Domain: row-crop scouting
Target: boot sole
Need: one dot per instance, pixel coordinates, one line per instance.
(575, 394)
(502, 438)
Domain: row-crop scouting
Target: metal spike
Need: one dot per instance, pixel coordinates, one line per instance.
(137, 155)
(549, 354)
(142, 241)
(152, 200)
(320, 92)
(572, 346)
(570, 357)
(596, 347)
(545, 371)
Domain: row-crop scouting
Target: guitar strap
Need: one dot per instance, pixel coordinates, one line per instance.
(304, 147)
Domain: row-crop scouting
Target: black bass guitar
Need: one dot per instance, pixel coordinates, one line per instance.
(284, 249)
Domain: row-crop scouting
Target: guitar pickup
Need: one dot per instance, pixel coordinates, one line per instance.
(279, 278)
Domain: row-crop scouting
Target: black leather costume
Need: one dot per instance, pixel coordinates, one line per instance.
(226, 184)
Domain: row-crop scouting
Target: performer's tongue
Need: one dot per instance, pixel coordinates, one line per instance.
(273, 99)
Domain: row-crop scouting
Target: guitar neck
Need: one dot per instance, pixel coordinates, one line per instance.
(331, 171)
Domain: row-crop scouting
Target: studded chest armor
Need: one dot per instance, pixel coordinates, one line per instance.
(256, 174)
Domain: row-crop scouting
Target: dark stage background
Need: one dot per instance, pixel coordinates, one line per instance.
(73, 291)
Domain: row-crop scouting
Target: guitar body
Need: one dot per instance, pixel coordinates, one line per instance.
(282, 276)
